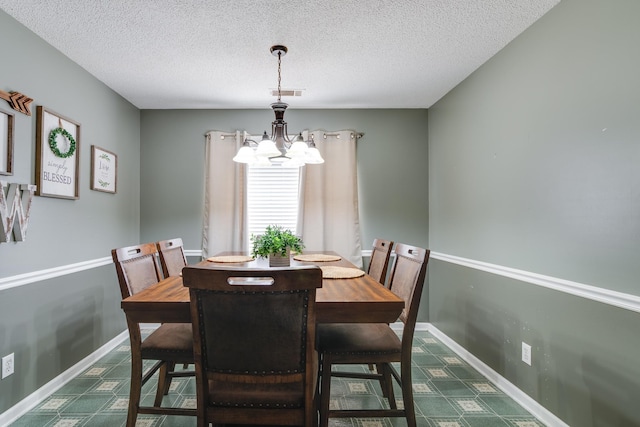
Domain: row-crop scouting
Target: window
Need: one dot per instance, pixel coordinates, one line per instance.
(332, 222)
(272, 198)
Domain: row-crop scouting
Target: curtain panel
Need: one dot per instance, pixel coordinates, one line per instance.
(328, 216)
(225, 216)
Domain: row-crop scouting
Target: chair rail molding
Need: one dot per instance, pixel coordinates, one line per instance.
(606, 296)
(50, 273)
(603, 295)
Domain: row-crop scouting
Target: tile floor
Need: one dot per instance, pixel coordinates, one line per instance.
(447, 391)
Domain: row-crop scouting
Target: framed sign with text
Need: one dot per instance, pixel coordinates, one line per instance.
(104, 170)
(57, 155)
(6, 143)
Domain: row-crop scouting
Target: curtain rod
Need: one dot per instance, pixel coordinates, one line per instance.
(357, 134)
(325, 134)
(224, 135)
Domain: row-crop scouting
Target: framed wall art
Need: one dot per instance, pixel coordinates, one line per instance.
(6, 143)
(57, 155)
(104, 170)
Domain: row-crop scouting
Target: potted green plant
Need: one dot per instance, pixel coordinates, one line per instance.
(276, 244)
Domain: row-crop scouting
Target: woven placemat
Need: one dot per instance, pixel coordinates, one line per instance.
(317, 257)
(335, 272)
(230, 258)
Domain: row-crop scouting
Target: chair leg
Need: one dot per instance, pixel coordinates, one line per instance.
(171, 366)
(316, 409)
(164, 381)
(386, 383)
(385, 380)
(202, 422)
(407, 394)
(318, 395)
(325, 390)
(382, 379)
(135, 389)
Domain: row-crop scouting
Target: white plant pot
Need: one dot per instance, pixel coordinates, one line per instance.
(279, 260)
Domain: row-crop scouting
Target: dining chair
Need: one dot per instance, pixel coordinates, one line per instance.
(254, 334)
(379, 261)
(377, 344)
(172, 258)
(137, 269)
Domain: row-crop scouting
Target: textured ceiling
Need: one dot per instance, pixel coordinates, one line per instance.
(161, 54)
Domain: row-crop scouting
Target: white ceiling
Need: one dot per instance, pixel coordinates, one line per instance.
(162, 54)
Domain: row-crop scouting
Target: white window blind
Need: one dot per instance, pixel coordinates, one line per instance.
(272, 198)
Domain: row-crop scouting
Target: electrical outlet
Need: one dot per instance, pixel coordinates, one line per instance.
(526, 353)
(7, 366)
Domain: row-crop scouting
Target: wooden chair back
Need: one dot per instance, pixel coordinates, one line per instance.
(350, 344)
(172, 258)
(379, 261)
(137, 267)
(407, 281)
(254, 343)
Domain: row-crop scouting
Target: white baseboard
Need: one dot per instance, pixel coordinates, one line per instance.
(523, 399)
(503, 384)
(38, 396)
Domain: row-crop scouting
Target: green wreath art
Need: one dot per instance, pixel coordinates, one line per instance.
(54, 145)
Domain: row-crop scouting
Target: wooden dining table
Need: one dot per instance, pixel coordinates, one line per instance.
(356, 300)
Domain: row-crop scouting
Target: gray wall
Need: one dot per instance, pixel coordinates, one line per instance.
(534, 166)
(392, 168)
(52, 324)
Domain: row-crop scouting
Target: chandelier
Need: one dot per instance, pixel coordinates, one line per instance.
(278, 149)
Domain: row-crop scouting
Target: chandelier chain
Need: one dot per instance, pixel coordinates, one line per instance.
(279, 74)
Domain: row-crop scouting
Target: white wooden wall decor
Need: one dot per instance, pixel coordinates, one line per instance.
(15, 207)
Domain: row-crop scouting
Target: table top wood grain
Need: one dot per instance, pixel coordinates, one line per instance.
(357, 300)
